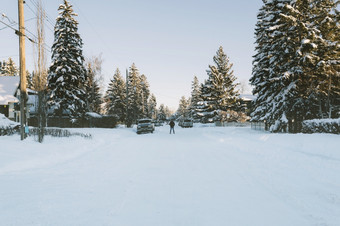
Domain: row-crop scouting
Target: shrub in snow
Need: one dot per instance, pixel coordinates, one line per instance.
(101, 121)
(56, 132)
(7, 127)
(321, 126)
(6, 131)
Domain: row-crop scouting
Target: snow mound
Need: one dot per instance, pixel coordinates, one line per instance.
(5, 122)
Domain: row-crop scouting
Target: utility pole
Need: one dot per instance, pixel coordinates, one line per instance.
(22, 68)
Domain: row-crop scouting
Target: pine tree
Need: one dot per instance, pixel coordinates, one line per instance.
(2, 65)
(161, 113)
(325, 86)
(219, 91)
(277, 70)
(195, 98)
(92, 90)
(29, 80)
(168, 112)
(134, 99)
(115, 98)
(288, 72)
(67, 74)
(9, 68)
(152, 107)
(145, 92)
(183, 108)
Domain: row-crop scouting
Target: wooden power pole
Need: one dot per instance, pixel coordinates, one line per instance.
(22, 68)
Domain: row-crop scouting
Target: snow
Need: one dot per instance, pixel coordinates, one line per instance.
(93, 114)
(8, 86)
(5, 122)
(199, 176)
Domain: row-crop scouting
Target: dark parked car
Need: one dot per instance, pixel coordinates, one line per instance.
(145, 126)
(186, 123)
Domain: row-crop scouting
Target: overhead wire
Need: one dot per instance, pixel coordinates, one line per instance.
(103, 42)
(46, 14)
(34, 12)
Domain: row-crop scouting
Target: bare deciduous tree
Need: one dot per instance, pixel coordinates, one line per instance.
(40, 75)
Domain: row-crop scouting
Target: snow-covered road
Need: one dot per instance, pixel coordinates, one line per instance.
(203, 176)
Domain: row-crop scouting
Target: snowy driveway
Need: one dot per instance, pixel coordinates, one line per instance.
(203, 176)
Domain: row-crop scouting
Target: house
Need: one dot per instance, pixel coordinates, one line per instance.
(10, 98)
(246, 101)
(8, 101)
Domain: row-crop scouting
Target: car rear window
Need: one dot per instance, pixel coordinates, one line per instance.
(144, 121)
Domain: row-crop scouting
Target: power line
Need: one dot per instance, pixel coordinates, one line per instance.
(37, 15)
(46, 14)
(29, 38)
(93, 28)
(16, 31)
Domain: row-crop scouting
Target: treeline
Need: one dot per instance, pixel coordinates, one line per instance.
(131, 99)
(217, 97)
(72, 85)
(296, 68)
(74, 89)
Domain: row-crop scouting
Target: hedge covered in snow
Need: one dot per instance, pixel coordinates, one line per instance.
(321, 126)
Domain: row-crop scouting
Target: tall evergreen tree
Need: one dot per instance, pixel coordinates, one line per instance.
(67, 74)
(92, 91)
(115, 98)
(134, 100)
(285, 66)
(152, 107)
(325, 86)
(183, 108)
(145, 92)
(161, 113)
(195, 97)
(219, 91)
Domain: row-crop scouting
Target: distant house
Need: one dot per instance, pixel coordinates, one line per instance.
(10, 95)
(246, 100)
(8, 101)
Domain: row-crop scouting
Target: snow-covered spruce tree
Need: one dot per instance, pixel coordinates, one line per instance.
(145, 93)
(115, 97)
(9, 68)
(152, 107)
(195, 98)
(134, 99)
(219, 92)
(325, 86)
(67, 74)
(92, 91)
(183, 107)
(260, 79)
(282, 64)
(161, 113)
(29, 80)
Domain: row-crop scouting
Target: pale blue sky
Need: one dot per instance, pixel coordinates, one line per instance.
(169, 41)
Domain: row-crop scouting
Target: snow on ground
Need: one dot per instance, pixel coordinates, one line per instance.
(5, 122)
(197, 177)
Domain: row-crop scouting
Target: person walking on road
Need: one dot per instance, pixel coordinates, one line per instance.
(172, 126)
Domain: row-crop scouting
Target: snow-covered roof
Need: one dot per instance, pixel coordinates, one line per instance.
(8, 86)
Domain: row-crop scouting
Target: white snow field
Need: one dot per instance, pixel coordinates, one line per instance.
(203, 176)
